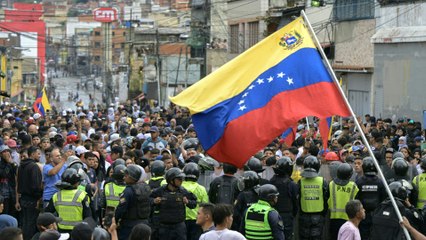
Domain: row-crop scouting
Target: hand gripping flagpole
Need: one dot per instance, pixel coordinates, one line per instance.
(364, 139)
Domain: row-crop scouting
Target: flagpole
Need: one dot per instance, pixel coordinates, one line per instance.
(364, 138)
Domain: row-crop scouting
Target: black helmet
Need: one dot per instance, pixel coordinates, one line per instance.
(117, 162)
(118, 173)
(423, 163)
(100, 234)
(134, 172)
(311, 167)
(400, 167)
(251, 179)
(191, 171)
(267, 192)
(368, 166)
(158, 168)
(284, 166)
(398, 190)
(397, 155)
(229, 168)
(255, 165)
(77, 165)
(207, 164)
(344, 173)
(70, 176)
(173, 173)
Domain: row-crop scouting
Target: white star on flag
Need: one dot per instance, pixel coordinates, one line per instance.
(245, 94)
(242, 108)
(259, 81)
(290, 81)
(280, 75)
(270, 79)
(251, 87)
(240, 102)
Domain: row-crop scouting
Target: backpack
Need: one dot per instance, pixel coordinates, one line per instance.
(385, 222)
(226, 191)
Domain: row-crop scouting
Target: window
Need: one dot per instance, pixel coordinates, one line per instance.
(344, 10)
(124, 33)
(98, 58)
(122, 45)
(97, 33)
(234, 39)
(97, 44)
(253, 33)
(113, 33)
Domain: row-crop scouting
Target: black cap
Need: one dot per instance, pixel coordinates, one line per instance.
(50, 234)
(83, 230)
(45, 219)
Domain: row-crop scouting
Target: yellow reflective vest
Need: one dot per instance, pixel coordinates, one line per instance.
(112, 194)
(420, 182)
(339, 196)
(69, 206)
(201, 194)
(311, 194)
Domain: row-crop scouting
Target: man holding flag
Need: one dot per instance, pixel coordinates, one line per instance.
(41, 104)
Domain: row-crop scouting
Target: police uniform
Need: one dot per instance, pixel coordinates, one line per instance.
(172, 211)
(72, 205)
(313, 195)
(262, 221)
(287, 205)
(371, 193)
(112, 192)
(339, 196)
(194, 230)
(134, 208)
(245, 199)
(154, 183)
(420, 183)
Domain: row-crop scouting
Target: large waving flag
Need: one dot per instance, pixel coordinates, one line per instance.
(241, 107)
(41, 104)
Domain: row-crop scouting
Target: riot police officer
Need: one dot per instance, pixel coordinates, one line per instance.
(401, 170)
(192, 172)
(70, 203)
(287, 205)
(246, 198)
(371, 193)
(261, 220)
(172, 199)
(420, 183)
(157, 171)
(313, 195)
(255, 165)
(134, 206)
(113, 190)
(342, 190)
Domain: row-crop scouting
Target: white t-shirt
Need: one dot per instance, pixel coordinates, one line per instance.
(225, 234)
(348, 231)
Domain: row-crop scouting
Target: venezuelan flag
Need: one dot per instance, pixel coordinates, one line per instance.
(41, 104)
(241, 107)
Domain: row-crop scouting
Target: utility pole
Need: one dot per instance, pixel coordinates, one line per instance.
(158, 62)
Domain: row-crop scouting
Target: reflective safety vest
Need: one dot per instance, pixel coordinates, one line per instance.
(69, 206)
(201, 194)
(112, 194)
(256, 221)
(339, 196)
(311, 194)
(420, 182)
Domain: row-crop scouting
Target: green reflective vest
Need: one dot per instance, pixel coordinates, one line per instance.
(420, 182)
(112, 194)
(339, 196)
(256, 221)
(69, 206)
(315, 3)
(311, 194)
(201, 194)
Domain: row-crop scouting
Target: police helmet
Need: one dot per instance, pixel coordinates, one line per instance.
(267, 192)
(134, 172)
(423, 163)
(344, 173)
(400, 167)
(70, 176)
(397, 155)
(77, 165)
(207, 164)
(398, 190)
(251, 179)
(173, 173)
(158, 168)
(368, 166)
(255, 165)
(118, 173)
(100, 234)
(311, 167)
(118, 161)
(191, 171)
(284, 166)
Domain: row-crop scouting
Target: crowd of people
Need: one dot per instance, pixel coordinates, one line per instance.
(133, 171)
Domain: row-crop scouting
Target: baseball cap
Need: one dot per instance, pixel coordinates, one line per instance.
(47, 218)
(114, 137)
(154, 129)
(4, 148)
(80, 150)
(36, 116)
(51, 234)
(11, 143)
(71, 139)
(83, 230)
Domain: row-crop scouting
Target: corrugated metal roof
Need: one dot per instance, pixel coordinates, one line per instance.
(400, 35)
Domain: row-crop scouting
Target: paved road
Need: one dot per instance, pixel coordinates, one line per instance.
(65, 85)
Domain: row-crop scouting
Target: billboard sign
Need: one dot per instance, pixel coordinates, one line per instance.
(105, 14)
